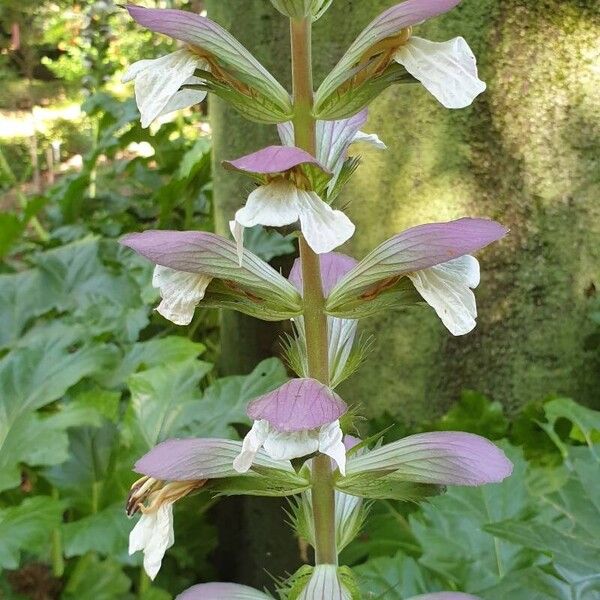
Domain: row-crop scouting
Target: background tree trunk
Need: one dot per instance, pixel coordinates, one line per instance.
(526, 153)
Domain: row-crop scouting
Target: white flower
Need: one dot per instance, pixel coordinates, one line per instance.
(448, 70)
(158, 83)
(153, 534)
(447, 289)
(180, 293)
(284, 446)
(369, 138)
(281, 203)
(325, 584)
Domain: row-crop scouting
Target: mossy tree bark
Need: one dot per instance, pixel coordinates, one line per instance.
(526, 153)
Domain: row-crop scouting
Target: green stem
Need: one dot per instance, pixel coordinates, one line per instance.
(315, 319)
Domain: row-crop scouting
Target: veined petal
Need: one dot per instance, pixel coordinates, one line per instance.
(447, 289)
(285, 446)
(252, 443)
(331, 443)
(180, 292)
(198, 458)
(222, 591)
(369, 138)
(324, 228)
(448, 70)
(212, 255)
(272, 160)
(153, 534)
(442, 458)
(203, 33)
(158, 81)
(273, 205)
(185, 97)
(415, 249)
(299, 404)
(325, 584)
(388, 24)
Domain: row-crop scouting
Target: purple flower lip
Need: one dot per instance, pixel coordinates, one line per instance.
(273, 159)
(334, 265)
(189, 459)
(439, 457)
(299, 405)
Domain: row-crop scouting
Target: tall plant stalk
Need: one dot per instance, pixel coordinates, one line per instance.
(323, 496)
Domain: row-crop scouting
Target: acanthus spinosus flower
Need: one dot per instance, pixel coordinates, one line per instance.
(285, 196)
(436, 257)
(187, 262)
(448, 70)
(171, 471)
(297, 419)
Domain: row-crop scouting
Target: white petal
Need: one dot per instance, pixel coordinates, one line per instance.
(180, 293)
(273, 205)
(448, 70)
(331, 443)
(237, 231)
(285, 446)
(153, 534)
(157, 83)
(324, 584)
(446, 288)
(369, 138)
(251, 445)
(323, 227)
(341, 341)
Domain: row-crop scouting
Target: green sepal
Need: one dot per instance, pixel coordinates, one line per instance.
(382, 485)
(228, 295)
(299, 9)
(262, 481)
(257, 108)
(298, 581)
(348, 99)
(400, 293)
(349, 582)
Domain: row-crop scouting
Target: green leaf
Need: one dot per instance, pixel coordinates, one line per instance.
(569, 532)
(267, 244)
(166, 398)
(392, 578)
(105, 532)
(23, 296)
(32, 377)
(532, 584)
(93, 579)
(11, 229)
(27, 527)
(475, 413)
(226, 400)
(80, 479)
(586, 422)
(153, 353)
